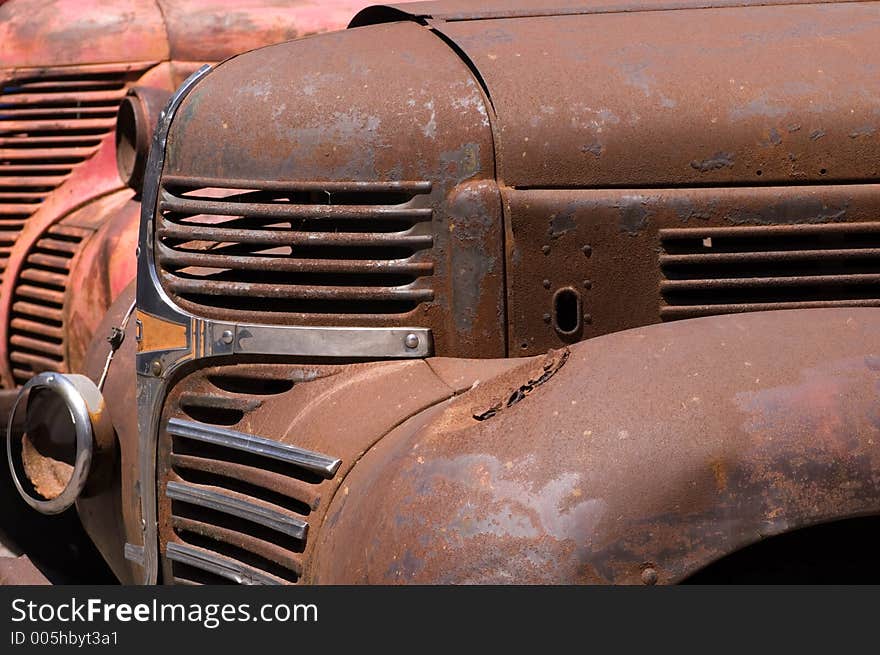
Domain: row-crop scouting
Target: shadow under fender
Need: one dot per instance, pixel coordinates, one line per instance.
(649, 454)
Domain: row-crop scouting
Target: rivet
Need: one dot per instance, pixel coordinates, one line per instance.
(588, 319)
(546, 318)
(649, 575)
(588, 284)
(545, 250)
(156, 367)
(411, 341)
(587, 250)
(226, 337)
(546, 284)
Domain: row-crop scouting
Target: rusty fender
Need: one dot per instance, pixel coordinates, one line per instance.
(647, 455)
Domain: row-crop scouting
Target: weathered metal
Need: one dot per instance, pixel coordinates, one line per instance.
(559, 189)
(517, 179)
(371, 207)
(337, 411)
(64, 69)
(649, 454)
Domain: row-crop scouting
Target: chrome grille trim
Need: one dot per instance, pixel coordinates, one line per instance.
(260, 514)
(319, 463)
(218, 565)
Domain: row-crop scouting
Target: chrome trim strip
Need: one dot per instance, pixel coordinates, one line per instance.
(243, 509)
(151, 391)
(319, 463)
(207, 338)
(134, 553)
(218, 565)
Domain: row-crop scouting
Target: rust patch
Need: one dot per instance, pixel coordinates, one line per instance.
(551, 365)
(716, 161)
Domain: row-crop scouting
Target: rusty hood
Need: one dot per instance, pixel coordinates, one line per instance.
(656, 92)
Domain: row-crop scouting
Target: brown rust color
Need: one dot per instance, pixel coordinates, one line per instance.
(353, 152)
(340, 411)
(65, 54)
(111, 513)
(671, 444)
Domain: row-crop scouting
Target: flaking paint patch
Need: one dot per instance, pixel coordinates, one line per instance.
(796, 210)
(514, 507)
(715, 162)
(633, 214)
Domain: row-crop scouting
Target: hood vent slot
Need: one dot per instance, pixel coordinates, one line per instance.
(725, 270)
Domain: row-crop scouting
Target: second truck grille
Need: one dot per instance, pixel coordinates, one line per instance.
(37, 330)
(51, 121)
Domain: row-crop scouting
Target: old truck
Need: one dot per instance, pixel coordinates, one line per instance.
(530, 292)
(68, 217)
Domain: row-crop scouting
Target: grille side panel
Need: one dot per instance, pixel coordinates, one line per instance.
(285, 201)
(316, 252)
(250, 456)
(37, 331)
(641, 256)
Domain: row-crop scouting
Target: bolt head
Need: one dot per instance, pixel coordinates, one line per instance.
(545, 250)
(226, 337)
(156, 367)
(411, 341)
(587, 250)
(649, 575)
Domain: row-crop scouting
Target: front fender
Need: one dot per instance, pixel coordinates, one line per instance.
(647, 455)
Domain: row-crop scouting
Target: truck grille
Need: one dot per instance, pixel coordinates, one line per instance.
(51, 121)
(239, 503)
(752, 268)
(278, 251)
(36, 329)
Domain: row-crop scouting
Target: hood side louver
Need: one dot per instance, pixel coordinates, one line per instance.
(724, 270)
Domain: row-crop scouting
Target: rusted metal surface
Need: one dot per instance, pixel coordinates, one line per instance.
(649, 454)
(458, 10)
(104, 268)
(70, 33)
(763, 94)
(111, 513)
(64, 68)
(340, 411)
(372, 207)
(48, 263)
(198, 29)
(639, 120)
(641, 256)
